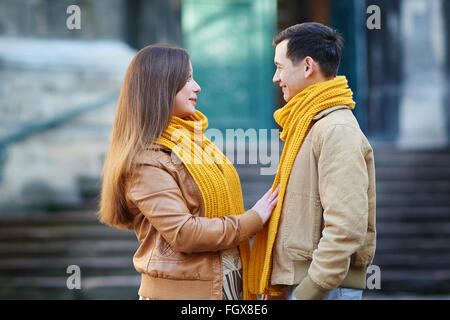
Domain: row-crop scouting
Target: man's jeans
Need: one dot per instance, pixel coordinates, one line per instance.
(336, 294)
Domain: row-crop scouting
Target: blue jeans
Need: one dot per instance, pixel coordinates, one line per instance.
(336, 294)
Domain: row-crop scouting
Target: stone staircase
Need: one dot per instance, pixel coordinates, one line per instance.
(36, 250)
(413, 222)
(413, 243)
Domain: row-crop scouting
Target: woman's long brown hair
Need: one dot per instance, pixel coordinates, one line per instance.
(144, 109)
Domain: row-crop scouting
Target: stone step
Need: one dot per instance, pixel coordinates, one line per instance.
(61, 271)
(61, 282)
(411, 214)
(424, 274)
(64, 232)
(425, 281)
(418, 199)
(59, 265)
(395, 158)
(58, 218)
(413, 174)
(406, 187)
(123, 287)
(413, 245)
(403, 230)
(76, 248)
(415, 261)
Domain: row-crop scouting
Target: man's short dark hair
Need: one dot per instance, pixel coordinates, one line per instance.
(316, 40)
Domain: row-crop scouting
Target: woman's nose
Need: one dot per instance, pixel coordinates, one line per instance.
(197, 88)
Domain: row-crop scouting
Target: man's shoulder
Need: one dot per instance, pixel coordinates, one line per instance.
(341, 128)
(341, 117)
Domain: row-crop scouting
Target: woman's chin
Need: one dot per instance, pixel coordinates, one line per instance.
(185, 113)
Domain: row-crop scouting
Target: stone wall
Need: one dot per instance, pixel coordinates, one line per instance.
(47, 70)
(41, 80)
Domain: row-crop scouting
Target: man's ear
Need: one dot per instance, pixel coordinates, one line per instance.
(310, 66)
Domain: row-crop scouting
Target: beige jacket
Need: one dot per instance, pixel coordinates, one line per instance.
(326, 236)
(179, 253)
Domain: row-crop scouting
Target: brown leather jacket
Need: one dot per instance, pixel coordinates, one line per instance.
(179, 253)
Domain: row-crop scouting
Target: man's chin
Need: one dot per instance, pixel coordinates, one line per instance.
(286, 98)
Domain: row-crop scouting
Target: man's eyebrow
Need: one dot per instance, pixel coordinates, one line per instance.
(277, 63)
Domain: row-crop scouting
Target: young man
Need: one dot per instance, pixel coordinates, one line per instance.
(321, 237)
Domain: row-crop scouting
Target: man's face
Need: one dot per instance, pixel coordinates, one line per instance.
(291, 78)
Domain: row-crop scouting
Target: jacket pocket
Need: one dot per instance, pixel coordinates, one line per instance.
(164, 251)
(302, 223)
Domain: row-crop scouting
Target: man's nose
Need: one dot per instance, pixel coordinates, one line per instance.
(276, 77)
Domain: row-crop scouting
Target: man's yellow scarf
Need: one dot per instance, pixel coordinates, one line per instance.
(213, 173)
(294, 118)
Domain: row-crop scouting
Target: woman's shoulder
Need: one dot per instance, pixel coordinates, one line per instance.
(153, 171)
(156, 155)
(152, 163)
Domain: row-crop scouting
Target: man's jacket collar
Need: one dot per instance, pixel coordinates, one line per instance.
(326, 112)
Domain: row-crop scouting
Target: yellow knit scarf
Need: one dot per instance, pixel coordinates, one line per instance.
(294, 118)
(213, 173)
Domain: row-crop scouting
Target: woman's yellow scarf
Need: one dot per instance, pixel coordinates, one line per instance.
(213, 173)
(294, 118)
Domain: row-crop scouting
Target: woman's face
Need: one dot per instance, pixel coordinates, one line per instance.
(186, 98)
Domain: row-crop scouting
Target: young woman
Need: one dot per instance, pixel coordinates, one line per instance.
(166, 181)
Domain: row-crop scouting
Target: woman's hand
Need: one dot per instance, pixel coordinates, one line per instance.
(266, 204)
